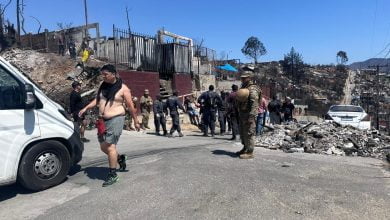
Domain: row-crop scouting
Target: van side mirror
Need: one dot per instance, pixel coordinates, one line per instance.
(29, 97)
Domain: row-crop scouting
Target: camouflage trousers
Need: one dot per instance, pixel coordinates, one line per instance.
(145, 119)
(247, 131)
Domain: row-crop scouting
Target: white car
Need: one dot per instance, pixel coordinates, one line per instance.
(349, 115)
(38, 141)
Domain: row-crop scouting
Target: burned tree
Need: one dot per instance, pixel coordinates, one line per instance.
(7, 33)
(293, 65)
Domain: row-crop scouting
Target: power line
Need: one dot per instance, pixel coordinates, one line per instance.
(383, 50)
(387, 54)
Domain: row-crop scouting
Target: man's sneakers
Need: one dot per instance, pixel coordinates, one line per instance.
(111, 179)
(181, 134)
(122, 162)
(246, 156)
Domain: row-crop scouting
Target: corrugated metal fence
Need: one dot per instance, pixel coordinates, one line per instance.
(134, 50)
(141, 52)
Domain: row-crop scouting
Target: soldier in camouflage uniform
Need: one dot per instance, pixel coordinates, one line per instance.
(146, 104)
(247, 109)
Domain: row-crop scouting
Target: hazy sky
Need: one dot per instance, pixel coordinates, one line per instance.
(317, 29)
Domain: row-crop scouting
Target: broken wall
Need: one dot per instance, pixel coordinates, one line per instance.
(182, 83)
(205, 81)
(139, 81)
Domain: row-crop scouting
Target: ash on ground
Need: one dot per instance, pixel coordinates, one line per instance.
(326, 138)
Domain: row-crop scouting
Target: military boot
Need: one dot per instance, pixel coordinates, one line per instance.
(246, 156)
(238, 153)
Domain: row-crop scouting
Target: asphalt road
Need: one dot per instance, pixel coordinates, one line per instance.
(348, 88)
(200, 178)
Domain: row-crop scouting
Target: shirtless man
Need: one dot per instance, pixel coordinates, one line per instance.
(111, 97)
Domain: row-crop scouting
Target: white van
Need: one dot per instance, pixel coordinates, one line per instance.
(38, 141)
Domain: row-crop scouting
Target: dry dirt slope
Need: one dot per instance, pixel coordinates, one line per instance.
(51, 71)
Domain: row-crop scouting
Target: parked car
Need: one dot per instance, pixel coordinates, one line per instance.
(349, 115)
(39, 143)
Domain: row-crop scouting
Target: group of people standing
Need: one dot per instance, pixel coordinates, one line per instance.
(160, 108)
(242, 109)
(280, 112)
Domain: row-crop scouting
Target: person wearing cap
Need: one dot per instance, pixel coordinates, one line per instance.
(248, 98)
(76, 104)
(146, 104)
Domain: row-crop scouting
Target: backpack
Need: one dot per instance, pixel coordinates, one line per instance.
(212, 99)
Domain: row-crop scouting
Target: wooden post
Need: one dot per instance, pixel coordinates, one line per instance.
(46, 40)
(30, 38)
(114, 35)
(18, 21)
(97, 40)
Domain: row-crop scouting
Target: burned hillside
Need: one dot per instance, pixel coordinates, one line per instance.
(315, 86)
(54, 73)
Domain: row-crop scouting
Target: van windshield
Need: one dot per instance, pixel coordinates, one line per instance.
(341, 108)
(29, 78)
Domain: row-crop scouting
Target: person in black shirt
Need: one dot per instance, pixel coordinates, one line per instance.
(222, 116)
(76, 104)
(274, 108)
(159, 111)
(173, 104)
(288, 109)
(211, 100)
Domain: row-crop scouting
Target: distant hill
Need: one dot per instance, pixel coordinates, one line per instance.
(371, 62)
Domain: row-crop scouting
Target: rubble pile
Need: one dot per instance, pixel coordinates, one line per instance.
(54, 73)
(326, 138)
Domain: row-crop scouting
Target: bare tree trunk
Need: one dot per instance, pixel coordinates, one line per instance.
(22, 17)
(39, 29)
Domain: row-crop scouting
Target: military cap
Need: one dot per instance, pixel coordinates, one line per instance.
(246, 74)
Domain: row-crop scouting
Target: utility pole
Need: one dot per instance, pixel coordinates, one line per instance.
(377, 86)
(17, 20)
(86, 18)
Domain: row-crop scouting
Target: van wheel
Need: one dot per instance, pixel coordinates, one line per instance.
(44, 165)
